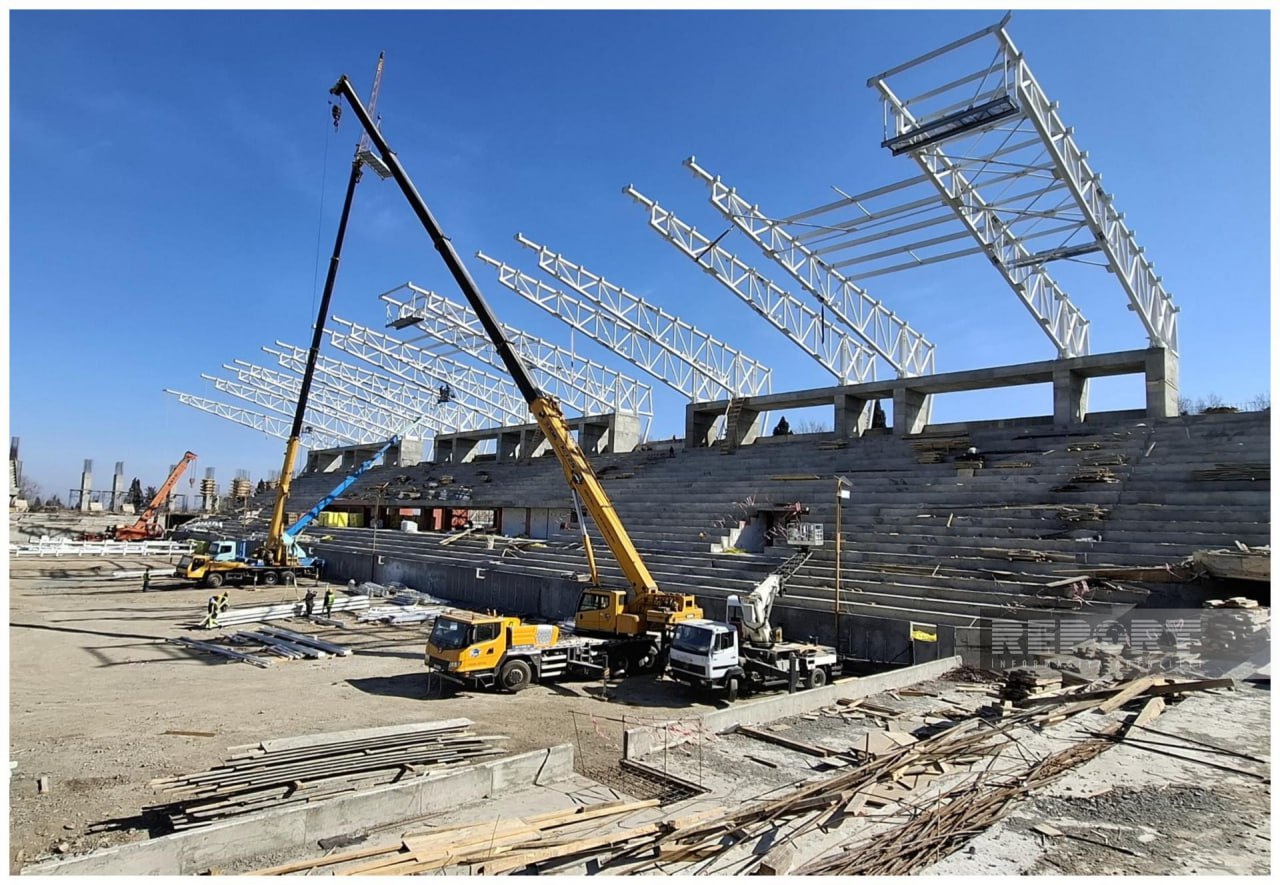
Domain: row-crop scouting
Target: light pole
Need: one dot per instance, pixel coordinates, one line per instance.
(842, 493)
(373, 561)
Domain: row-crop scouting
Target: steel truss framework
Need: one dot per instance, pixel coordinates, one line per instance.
(336, 400)
(848, 360)
(576, 382)
(626, 323)
(493, 397)
(274, 391)
(400, 397)
(891, 337)
(321, 433)
(994, 147)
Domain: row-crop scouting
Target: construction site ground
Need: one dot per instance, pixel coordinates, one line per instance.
(96, 696)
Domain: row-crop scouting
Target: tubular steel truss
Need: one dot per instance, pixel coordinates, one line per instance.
(905, 349)
(409, 401)
(991, 131)
(491, 396)
(835, 351)
(319, 434)
(279, 393)
(614, 314)
(577, 383)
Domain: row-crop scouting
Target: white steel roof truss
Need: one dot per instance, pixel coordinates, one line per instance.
(835, 351)
(328, 436)
(905, 349)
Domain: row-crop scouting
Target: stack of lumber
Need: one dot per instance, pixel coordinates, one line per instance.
(1094, 474)
(1030, 682)
(1082, 513)
(1234, 625)
(1224, 472)
(935, 451)
(304, 769)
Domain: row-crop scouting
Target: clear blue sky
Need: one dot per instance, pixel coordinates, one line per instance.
(167, 171)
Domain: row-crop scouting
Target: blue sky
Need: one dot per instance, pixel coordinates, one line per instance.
(167, 172)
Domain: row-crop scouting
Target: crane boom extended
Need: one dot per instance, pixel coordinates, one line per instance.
(645, 603)
(144, 528)
(276, 550)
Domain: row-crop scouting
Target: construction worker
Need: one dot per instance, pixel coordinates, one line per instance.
(309, 601)
(211, 618)
(146, 580)
(328, 601)
(223, 602)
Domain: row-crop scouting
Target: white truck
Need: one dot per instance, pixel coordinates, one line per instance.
(745, 654)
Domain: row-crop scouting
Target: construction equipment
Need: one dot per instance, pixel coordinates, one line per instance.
(148, 527)
(487, 650)
(216, 562)
(746, 653)
(641, 608)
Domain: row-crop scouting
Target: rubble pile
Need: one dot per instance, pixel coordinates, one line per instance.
(1234, 625)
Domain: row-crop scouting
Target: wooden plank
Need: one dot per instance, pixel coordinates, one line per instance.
(778, 861)
(798, 746)
(519, 861)
(329, 860)
(1127, 693)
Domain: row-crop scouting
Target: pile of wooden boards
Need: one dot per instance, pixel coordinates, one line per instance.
(1030, 682)
(304, 769)
(1236, 625)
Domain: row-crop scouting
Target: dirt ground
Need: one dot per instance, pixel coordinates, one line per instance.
(94, 688)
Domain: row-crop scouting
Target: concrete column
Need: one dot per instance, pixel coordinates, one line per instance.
(910, 414)
(747, 428)
(117, 486)
(593, 437)
(1070, 396)
(624, 433)
(407, 453)
(853, 416)
(509, 445)
(1162, 383)
(86, 485)
(532, 444)
(698, 424)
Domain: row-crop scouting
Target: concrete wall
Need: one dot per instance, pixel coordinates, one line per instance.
(299, 827)
(478, 588)
(637, 742)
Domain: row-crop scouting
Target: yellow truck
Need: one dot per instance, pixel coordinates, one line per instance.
(490, 650)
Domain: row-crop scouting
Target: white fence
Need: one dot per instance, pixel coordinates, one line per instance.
(67, 547)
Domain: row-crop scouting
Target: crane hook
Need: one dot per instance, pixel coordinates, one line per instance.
(336, 110)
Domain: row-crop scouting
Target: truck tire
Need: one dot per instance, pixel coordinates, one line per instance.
(816, 679)
(288, 578)
(515, 676)
(731, 687)
(213, 580)
(270, 578)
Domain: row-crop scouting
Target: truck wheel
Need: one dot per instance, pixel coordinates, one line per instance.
(816, 679)
(270, 578)
(288, 578)
(731, 688)
(213, 580)
(515, 676)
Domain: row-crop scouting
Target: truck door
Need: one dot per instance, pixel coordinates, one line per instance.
(724, 652)
(486, 646)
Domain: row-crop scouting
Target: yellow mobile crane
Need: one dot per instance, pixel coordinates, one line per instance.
(641, 608)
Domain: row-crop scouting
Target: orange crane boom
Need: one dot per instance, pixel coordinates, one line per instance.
(147, 528)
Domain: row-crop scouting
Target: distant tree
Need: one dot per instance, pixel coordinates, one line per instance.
(262, 487)
(149, 495)
(35, 503)
(1260, 403)
(55, 503)
(28, 489)
(811, 426)
(134, 495)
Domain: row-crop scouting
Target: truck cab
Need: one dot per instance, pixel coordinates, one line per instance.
(486, 649)
(705, 654)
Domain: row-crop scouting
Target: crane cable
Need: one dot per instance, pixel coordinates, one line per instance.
(324, 176)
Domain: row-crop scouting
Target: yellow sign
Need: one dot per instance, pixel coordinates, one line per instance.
(924, 632)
